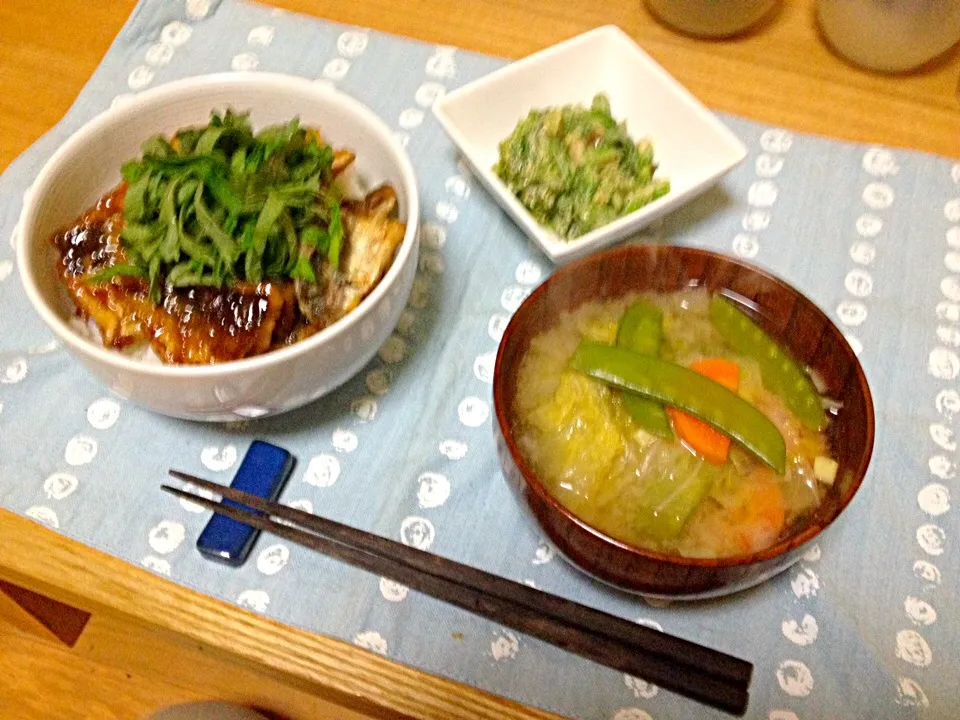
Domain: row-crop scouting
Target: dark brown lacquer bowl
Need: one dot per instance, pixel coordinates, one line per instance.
(783, 312)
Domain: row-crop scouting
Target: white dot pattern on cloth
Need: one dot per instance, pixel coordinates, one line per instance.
(245, 62)
(394, 350)
(336, 69)
(256, 600)
(641, 689)
(927, 572)
(631, 713)
(913, 649)
(457, 186)
(322, 471)
(755, 220)
(880, 163)
(411, 118)
(218, 459)
(352, 44)
(14, 372)
(434, 489)
(393, 591)
(447, 212)
(528, 273)
(442, 64)
(175, 33)
(919, 611)
(159, 54)
(166, 536)
(80, 450)
(344, 441)
(795, 678)
(43, 515)
(433, 235)
(768, 166)
(931, 538)
(371, 640)
(943, 436)
(473, 412)
(365, 409)
(910, 694)
(934, 499)
(453, 449)
(505, 646)
(273, 559)
(878, 196)
(762, 194)
(776, 140)
(60, 485)
(192, 507)
(746, 245)
(428, 93)
(157, 565)
(803, 632)
(378, 381)
(261, 36)
(103, 413)
(417, 532)
(121, 99)
(868, 225)
(197, 9)
(140, 77)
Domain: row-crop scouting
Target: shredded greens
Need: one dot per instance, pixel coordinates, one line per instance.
(576, 169)
(219, 204)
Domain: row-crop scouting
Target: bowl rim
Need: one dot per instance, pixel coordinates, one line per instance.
(532, 480)
(141, 103)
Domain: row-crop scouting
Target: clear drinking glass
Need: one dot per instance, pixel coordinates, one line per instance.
(890, 35)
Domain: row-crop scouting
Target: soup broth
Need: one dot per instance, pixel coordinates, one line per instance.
(647, 489)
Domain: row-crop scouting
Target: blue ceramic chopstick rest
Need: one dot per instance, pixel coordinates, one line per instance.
(263, 472)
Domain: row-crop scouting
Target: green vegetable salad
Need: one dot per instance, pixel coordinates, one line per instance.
(576, 169)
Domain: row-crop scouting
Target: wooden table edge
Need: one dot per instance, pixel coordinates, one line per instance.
(92, 581)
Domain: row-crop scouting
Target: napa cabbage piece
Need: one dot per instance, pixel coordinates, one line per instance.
(589, 436)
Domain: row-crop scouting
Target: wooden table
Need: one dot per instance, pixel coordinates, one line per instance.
(782, 74)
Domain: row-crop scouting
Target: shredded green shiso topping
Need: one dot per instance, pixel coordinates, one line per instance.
(219, 204)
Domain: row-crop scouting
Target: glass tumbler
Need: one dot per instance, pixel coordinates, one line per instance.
(711, 18)
(890, 35)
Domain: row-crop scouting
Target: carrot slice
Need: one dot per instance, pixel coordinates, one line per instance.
(758, 522)
(710, 444)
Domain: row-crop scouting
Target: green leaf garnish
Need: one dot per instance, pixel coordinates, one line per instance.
(219, 204)
(336, 237)
(118, 270)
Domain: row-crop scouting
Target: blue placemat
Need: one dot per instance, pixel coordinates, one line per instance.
(867, 625)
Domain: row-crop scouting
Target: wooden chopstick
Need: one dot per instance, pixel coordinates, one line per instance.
(677, 650)
(699, 673)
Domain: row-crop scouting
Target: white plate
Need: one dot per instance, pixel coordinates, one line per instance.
(692, 147)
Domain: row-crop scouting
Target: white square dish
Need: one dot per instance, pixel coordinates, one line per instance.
(692, 148)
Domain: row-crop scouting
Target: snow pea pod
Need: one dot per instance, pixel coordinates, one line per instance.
(641, 331)
(780, 373)
(689, 391)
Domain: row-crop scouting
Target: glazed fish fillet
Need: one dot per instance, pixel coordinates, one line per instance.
(202, 325)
